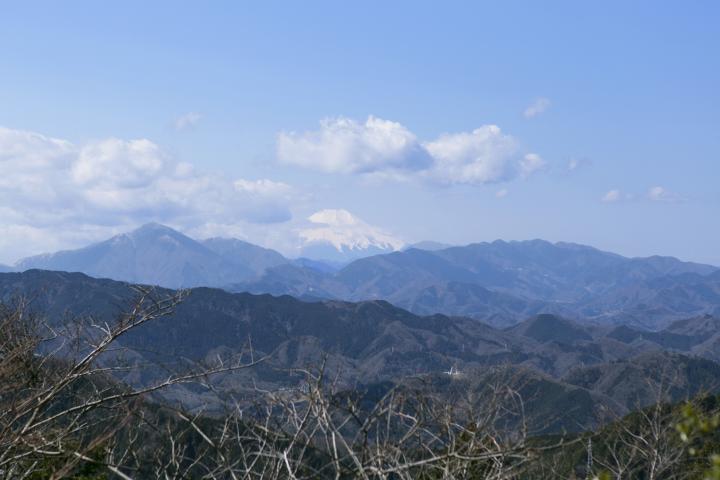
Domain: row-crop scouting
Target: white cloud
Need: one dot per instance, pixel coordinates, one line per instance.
(501, 193)
(530, 164)
(655, 194)
(262, 187)
(485, 155)
(382, 149)
(346, 146)
(537, 107)
(611, 196)
(118, 163)
(660, 194)
(84, 192)
(344, 231)
(187, 121)
(334, 217)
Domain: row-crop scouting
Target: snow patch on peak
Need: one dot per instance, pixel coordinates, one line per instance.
(347, 233)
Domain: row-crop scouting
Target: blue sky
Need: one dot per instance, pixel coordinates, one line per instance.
(229, 118)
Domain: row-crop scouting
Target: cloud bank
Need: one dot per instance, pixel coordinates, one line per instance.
(81, 192)
(387, 149)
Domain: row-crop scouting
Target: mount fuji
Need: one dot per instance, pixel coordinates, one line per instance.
(336, 235)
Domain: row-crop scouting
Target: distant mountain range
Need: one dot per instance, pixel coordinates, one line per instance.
(159, 255)
(566, 370)
(503, 282)
(500, 283)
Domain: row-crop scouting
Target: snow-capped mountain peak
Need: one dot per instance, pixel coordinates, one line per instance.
(336, 234)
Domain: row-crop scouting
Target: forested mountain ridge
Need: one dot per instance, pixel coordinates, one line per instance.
(373, 341)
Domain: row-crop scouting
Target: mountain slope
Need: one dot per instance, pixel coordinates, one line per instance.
(544, 328)
(656, 302)
(468, 300)
(238, 252)
(677, 376)
(428, 245)
(152, 254)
